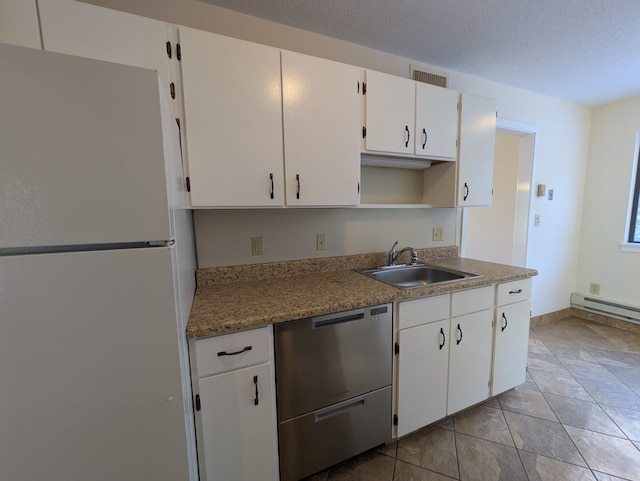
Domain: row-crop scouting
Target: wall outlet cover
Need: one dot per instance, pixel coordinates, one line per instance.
(256, 246)
(438, 234)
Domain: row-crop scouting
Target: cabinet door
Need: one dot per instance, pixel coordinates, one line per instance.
(233, 121)
(422, 375)
(19, 23)
(390, 113)
(237, 437)
(436, 122)
(85, 30)
(469, 360)
(477, 147)
(321, 108)
(511, 344)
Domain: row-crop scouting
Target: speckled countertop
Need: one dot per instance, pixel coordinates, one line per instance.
(236, 298)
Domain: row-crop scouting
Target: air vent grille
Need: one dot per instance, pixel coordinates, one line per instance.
(429, 78)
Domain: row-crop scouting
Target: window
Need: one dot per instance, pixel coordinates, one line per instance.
(634, 217)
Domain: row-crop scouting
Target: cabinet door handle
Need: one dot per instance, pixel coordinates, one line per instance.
(225, 353)
(466, 191)
(256, 401)
(406, 128)
(519, 291)
(297, 186)
(458, 341)
(444, 339)
(271, 189)
(424, 133)
(504, 326)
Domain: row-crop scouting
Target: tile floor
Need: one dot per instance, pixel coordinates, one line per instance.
(577, 417)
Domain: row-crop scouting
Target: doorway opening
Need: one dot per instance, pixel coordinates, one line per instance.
(499, 233)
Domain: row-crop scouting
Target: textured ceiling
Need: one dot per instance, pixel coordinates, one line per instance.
(584, 51)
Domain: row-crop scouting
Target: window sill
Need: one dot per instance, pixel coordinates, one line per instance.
(629, 247)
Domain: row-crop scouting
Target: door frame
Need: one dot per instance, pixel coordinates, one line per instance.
(524, 195)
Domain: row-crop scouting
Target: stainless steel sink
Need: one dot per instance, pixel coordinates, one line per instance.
(415, 276)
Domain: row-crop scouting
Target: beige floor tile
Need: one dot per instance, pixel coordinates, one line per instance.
(627, 419)
(536, 346)
(607, 477)
(432, 448)
(582, 414)
(607, 454)
(541, 468)
(614, 358)
(409, 472)
(388, 450)
(569, 351)
(482, 460)
(587, 370)
(529, 402)
(611, 393)
(369, 466)
(484, 422)
(560, 384)
(546, 362)
(542, 437)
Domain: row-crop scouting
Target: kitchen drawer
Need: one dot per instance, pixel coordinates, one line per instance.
(313, 441)
(423, 311)
(515, 291)
(242, 349)
(472, 300)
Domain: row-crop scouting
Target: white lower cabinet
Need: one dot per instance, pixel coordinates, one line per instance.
(445, 347)
(423, 363)
(234, 393)
(469, 360)
(511, 336)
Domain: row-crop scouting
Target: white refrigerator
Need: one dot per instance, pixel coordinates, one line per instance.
(96, 274)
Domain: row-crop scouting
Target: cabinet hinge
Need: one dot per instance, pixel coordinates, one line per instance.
(397, 348)
(456, 142)
(188, 184)
(198, 404)
(496, 114)
(364, 132)
(178, 52)
(168, 49)
(395, 419)
(458, 106)
(358, 187)
(172, 88)
(364, 88)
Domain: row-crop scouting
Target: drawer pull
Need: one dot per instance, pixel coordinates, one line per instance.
(504, 326)
(256, 401)
(225, 353)
(444, 339)
(458, 341)
(519, 291)
(338, 410)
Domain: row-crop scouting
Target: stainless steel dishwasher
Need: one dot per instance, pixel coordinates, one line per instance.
(333, 376)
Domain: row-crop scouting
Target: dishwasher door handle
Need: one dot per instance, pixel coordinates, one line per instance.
(337, 320)
(329, 413)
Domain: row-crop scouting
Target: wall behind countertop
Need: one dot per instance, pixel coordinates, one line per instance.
(560, 154)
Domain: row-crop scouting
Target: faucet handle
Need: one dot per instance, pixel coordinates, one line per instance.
(392, 254)
(414, 257)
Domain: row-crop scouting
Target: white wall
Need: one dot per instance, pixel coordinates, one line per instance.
(608, 183)
(560, 151)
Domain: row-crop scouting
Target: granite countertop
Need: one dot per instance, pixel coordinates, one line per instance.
(244, 299)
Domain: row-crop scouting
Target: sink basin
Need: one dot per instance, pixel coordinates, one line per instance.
(415, 276)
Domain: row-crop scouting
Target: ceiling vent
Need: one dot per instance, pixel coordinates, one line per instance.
(429, 78)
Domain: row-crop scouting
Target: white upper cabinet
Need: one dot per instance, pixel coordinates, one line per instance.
(19, 23)
(390, 113)
(410, 118)
(85, 30)
(321, 108)
(436, 122)
(477, 148)
(233, 121)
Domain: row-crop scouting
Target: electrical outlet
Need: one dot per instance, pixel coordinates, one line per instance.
(321, 242)
(594, 288)
(536, 220)
(438, 235)
(256, 246)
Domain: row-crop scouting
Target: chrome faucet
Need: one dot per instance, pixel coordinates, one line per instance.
(393, 255)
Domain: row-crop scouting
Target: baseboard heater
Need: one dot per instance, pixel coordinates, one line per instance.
(609, 308)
